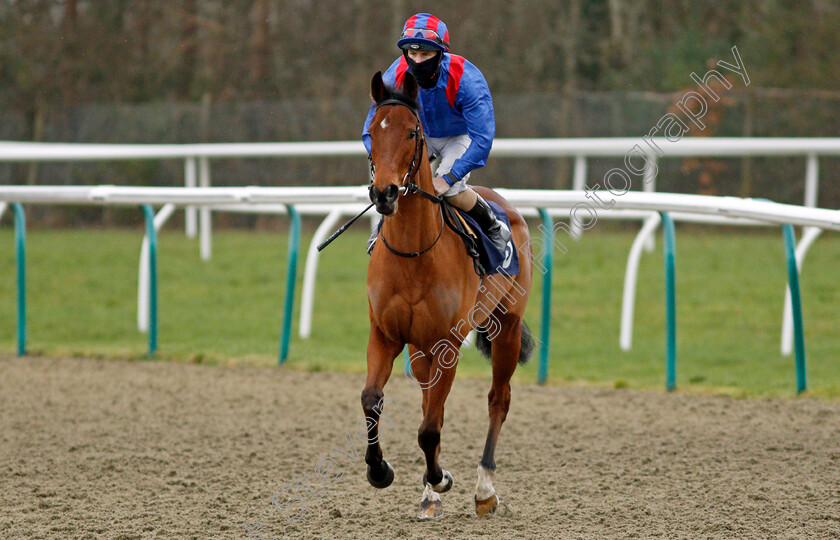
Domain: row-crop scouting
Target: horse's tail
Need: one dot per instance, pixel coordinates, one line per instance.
(526, 346)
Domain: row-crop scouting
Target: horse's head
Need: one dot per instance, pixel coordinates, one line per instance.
(396, 142)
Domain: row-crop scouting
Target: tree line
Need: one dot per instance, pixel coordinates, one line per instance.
(66, 52)
(262, 70)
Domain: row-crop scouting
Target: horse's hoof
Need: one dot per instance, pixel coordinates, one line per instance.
(431, 507)
(445, 484)
(431, 510)
(383, 482)
(487, 506)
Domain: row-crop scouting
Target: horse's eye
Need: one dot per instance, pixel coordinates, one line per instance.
(412, 134)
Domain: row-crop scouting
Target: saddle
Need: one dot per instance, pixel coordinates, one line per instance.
(455, 221)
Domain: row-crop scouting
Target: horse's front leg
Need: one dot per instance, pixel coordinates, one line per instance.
(436, 379)
(380, 360)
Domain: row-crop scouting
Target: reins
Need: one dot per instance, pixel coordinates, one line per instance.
(415, 253)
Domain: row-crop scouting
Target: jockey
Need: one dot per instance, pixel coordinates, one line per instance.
(456, 110)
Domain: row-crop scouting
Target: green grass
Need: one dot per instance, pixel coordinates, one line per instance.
(730, 289)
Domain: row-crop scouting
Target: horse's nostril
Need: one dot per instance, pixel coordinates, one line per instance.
(391, 192)
(386, 196)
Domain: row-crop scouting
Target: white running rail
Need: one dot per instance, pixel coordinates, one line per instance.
(197, 170)
(322, 200)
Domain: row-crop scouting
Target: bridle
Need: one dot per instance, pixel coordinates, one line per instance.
(419, 139)
(409, 186)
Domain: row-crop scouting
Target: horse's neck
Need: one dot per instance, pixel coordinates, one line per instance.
(417, 222)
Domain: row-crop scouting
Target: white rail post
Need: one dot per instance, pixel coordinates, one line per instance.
(143, 274)
(812, 171)
(206, 224)
(3, 206)
(650, 187)
(631, 277)
(191, 216)
(578, 183)
(307, 299)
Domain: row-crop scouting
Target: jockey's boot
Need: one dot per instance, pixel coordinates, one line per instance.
(373, 236)
(497, 231)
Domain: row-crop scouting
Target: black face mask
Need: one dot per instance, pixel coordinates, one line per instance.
(426, 72)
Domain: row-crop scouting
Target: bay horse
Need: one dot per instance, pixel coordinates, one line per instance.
(423, 292)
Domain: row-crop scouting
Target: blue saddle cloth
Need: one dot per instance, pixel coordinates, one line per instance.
(491, 258)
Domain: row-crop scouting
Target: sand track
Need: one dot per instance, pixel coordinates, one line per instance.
(107, 449)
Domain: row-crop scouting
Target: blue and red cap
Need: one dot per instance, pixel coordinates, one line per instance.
(424, 31)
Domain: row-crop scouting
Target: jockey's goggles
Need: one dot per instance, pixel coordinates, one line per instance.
(424, 33)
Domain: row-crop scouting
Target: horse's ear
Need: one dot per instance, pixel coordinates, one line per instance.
(410, 86)
(377, 88)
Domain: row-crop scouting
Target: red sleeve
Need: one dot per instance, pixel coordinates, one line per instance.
(456, 70)
(399, 78)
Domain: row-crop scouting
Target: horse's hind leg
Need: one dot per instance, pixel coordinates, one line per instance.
(505, 354)
(380, 361)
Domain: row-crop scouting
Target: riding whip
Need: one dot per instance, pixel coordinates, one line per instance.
(343, 228)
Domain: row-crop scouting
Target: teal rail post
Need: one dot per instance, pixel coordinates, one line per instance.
(291, 276)
(670, 303)
(152, 236)
(407, 363)
(20, 242)
(548, 264)
(796, 305)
